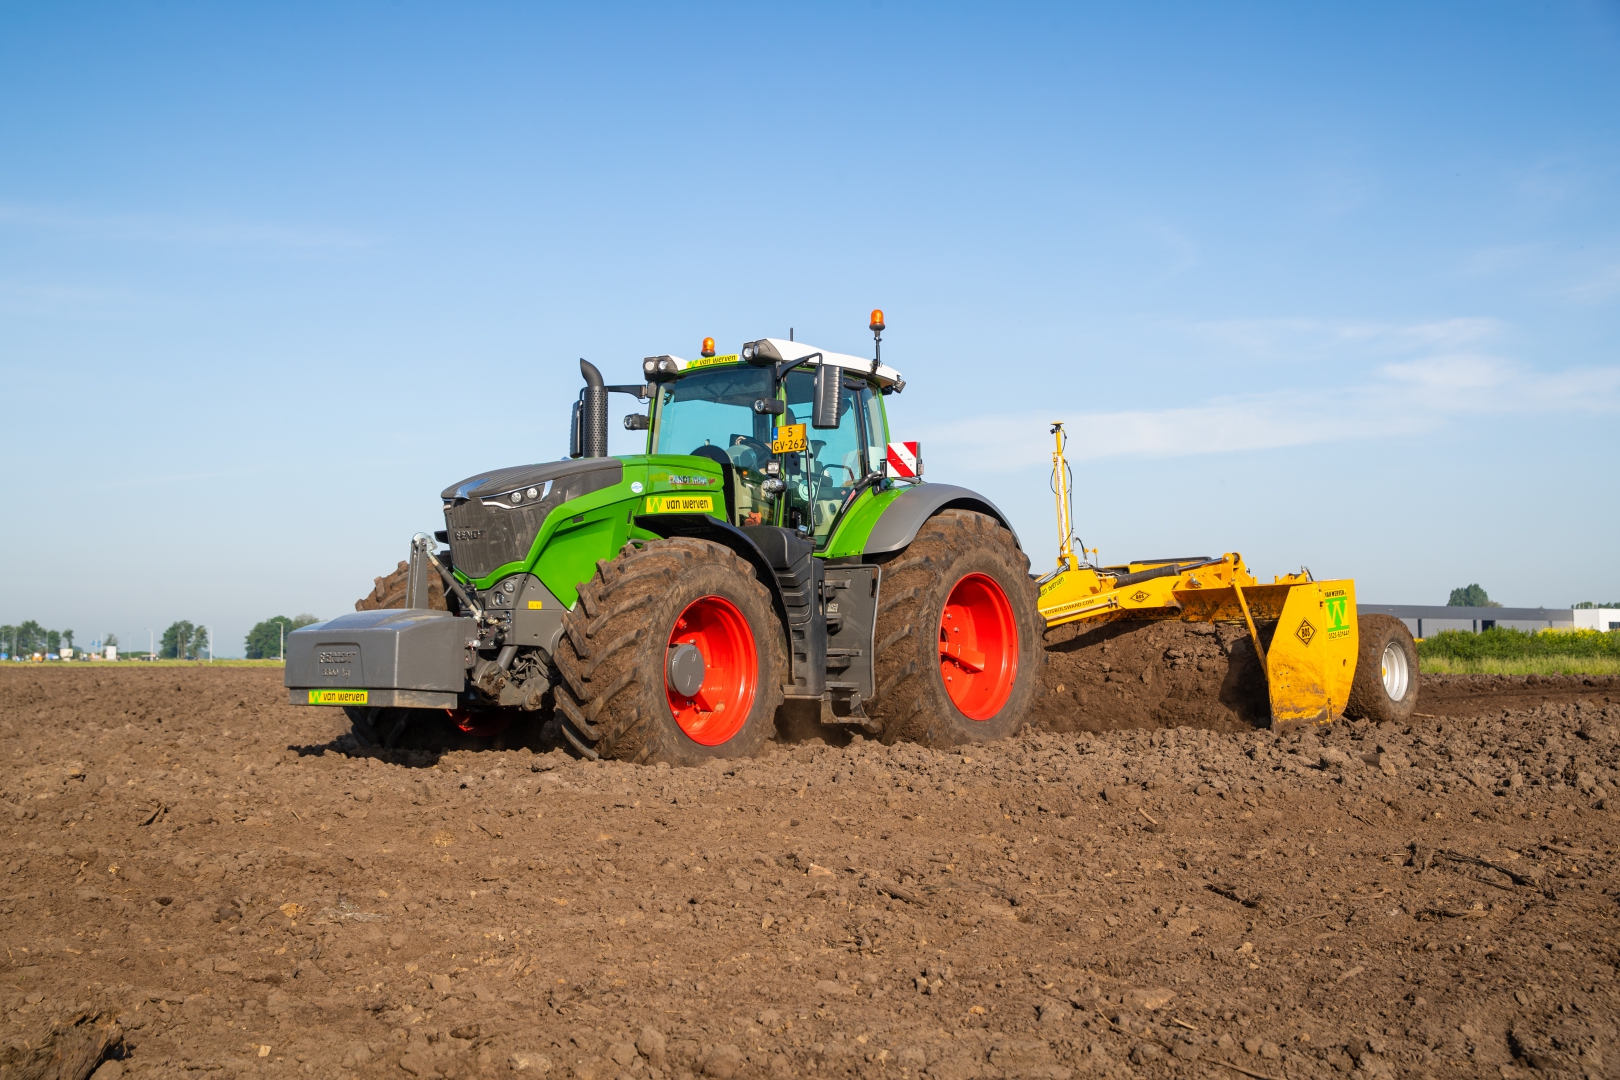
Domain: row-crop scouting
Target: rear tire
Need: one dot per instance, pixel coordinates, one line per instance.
(1386, 682)
(959, 652)
(616, 697)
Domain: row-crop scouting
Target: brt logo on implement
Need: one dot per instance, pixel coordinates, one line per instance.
(680, 504)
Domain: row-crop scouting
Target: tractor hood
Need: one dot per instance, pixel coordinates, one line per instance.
(518, 477)
(493, 518)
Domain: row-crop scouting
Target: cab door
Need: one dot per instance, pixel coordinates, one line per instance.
(821, 478)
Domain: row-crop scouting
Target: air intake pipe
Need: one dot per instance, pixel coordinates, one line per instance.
(590, 430)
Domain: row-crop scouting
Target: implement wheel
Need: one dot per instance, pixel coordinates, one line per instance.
(674, 653)
(1386, 682)
(959, 651)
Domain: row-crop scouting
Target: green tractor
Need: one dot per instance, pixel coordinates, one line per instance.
(771, 553)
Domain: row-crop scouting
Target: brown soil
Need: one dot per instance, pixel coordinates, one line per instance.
(1142, 674)
(216, 884)
(1470, 695)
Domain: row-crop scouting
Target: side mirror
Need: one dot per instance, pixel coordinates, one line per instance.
(828, 399)
(636, 422)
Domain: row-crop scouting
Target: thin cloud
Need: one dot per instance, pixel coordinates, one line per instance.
(197, 232)
(1599, 287)
(1181, 248)
(135, 480)
(1398, 398)
(1292, 336)
(33, 296)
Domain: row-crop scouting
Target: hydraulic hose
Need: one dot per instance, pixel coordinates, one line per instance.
(424, 544)
(1167, 570)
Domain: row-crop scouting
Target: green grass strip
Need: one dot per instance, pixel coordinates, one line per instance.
(1500, 643)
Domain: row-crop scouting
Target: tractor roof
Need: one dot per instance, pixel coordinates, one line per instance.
(883, 374)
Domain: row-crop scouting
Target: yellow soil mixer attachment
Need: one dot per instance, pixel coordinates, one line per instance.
(1310, 660)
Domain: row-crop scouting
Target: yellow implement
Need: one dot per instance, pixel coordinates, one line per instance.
(1304, 630)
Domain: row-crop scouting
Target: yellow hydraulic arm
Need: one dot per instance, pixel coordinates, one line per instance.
(1310, 659)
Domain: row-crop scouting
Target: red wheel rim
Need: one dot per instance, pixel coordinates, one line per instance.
(481, 725)
(730, 670)
(978, 647)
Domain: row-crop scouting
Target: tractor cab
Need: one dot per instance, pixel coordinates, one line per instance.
(755, 413)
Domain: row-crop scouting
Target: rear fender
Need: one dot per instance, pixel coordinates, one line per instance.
(898, 526)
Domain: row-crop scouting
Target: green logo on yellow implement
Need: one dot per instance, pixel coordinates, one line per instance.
(1336, 606)
(680, 504)
(337, 697)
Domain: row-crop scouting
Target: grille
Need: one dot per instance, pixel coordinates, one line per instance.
(484, 536)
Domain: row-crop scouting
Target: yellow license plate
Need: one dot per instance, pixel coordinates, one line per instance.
(337, 697)
(680, 504)
(791, 439)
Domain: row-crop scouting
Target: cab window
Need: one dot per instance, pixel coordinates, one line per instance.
(711, 414)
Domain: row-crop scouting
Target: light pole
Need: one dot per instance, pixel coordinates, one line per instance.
(210, 630)
(151, 644)
(281, 634)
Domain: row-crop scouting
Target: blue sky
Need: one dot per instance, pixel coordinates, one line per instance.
(1326, 286)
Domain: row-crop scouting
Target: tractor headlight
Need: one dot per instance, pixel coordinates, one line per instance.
(761, 353)
(517, 496)
(660, 368)
(534, 493)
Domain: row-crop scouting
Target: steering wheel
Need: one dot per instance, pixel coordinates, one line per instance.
(762, 453)
(713, 453)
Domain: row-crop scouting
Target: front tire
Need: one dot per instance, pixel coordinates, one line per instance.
(673, 653)
(1386, 682)
(385, 727)
(959, 652)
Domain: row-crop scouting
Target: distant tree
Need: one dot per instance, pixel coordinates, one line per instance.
(1582, 604)
(176, 643)
(199, 642)
(67, 638)
(1470, 596)
(265, 641)
(53, 641)
(30, 638)
(110, 639)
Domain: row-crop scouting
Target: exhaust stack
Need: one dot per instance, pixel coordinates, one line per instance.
(589, 437)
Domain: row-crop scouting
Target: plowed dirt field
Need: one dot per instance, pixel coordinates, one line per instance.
(198, 881)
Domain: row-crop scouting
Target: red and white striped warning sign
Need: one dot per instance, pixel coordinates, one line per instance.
(905, 459)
